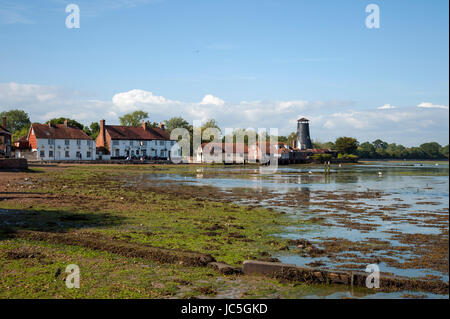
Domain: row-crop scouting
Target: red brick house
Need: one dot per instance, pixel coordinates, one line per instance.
(60, 142)
(117, 141)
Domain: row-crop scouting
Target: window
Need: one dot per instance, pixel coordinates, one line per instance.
(144, 152)
(89, 143)
(117, 153)
(78, 155)
(66, 142)
(42, 154)
(137, 152)
(78, 142)
(67, 154)
(144, 143)
(115, 142)
(50, 153)
(131, 143)
(88, 154)
(51, 142)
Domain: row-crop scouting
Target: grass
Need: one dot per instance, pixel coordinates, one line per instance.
(95, 199)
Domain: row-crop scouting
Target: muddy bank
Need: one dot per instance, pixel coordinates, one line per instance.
(100, 242)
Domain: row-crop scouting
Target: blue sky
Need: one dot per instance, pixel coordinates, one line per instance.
(259, 63)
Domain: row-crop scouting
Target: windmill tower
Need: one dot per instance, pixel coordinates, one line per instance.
(303, 141)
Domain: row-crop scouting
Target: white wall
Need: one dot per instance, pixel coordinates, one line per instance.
(154, 148)
(59, 149)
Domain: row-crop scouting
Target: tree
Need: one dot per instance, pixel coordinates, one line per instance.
(444, 151)
(133, 119)
(329, 145)
(379, 144)
(16, 120)
(366, 150)
(177, 122)
(291, 138)
(346, 145)
(211, 123)
(92, 130)
(431, 150)
(70, 122)
(23, 132)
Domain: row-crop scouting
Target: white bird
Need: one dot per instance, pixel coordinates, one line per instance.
(309, 172)
(379, 173)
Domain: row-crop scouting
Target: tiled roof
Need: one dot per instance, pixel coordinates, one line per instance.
(266, 147)
(4, 131)
(136, 133)
(58, 131)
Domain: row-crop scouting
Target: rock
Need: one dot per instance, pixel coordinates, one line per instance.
(224, 268)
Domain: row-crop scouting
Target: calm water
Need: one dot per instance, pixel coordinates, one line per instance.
(411, 195)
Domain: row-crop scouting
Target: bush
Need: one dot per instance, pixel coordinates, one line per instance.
(350, 157)
(321, 157)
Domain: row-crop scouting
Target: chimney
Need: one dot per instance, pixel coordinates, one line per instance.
(49, 124)
(66, 123)
(144, 125)
(161, 126)
(4, 121)
(100, 141)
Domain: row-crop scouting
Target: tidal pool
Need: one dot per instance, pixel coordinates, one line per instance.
(394, 215)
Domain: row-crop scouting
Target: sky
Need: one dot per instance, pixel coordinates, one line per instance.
(246, 63)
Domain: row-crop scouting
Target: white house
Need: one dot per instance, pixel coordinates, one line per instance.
(118, 141)
(221, 153)
(60, 142)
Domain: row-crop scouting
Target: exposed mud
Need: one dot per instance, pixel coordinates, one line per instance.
(100, 242)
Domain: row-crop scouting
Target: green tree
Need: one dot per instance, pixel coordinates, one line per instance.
(177, 122)
(92, 130)
(23, 132)
(444, 151)
(70, 122)
(329, 145)
(291, 138)
(379, 144)
(346, 145)
(133, 119)
(431, 150)
(211, 123)
(16, 120)
(366, 150)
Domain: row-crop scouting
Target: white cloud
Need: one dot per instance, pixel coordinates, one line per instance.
(429, 105)
(328, 119)
(133, 99)
(211, 100)
(387, 107)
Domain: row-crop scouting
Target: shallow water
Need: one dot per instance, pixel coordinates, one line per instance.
(411, 198)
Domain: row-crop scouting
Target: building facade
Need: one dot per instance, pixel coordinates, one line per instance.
(120, 142)
(222, 153)
(60, 142)
(5, 140)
